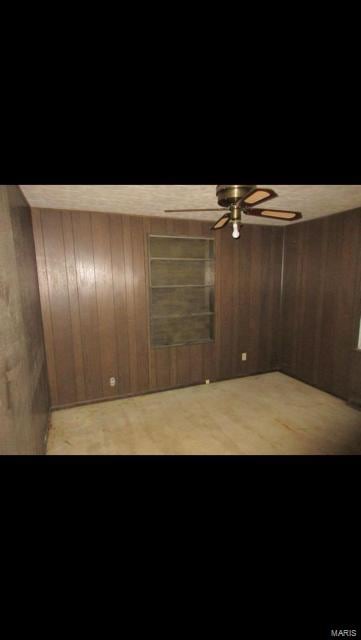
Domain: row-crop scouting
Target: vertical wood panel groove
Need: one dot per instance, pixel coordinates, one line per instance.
(112, 276)
(68, 291)
(87, 302)
(50, 314)
(78, 306)
(129, 280)
(109, 305)
(74, 303)
(59, 306)
(121, 303)
(95, 287)
(322, 262)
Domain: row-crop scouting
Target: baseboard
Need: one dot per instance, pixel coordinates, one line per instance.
(355, 403)
(151, 391)
(122, 396)
(315, 386)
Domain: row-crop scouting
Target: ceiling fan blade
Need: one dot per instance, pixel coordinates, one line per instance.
(221, 222)
(190, 210)
(274, 213)
(257, 196)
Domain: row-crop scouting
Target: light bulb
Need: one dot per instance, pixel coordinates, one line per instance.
(235, 232)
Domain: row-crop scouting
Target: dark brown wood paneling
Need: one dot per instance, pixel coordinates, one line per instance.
(321, 282)
(131, 317)
(103, 269)
(59, 307)
(141, 310)
(120, 303)
(259, 282)
(354, 393)
(223, 293)
(98, 264)
(248, 301)
(89, 320)
(74, 305)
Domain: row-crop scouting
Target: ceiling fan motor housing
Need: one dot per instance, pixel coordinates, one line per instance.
(229, 194)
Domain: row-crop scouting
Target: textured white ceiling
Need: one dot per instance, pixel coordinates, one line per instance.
(313, 201)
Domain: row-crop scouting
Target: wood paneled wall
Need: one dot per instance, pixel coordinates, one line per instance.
(93, 276)
(321, 301)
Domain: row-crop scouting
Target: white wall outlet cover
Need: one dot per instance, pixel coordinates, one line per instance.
(112, 382)
(244, 356)
(207, 381)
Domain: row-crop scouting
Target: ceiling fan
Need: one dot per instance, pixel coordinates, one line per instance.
(236, 199)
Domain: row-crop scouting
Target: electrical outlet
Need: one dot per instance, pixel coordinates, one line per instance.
(207, 381)
(244, 357)
(112, 382)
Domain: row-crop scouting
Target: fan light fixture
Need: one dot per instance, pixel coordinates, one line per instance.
(258, 195)
(287, 215)
(235, 199)
(235, 232)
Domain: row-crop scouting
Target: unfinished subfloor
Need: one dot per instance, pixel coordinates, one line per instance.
(264, 414)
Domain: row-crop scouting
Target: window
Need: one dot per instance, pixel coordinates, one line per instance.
(181, 290)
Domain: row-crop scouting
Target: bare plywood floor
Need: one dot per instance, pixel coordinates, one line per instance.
(266, 414)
